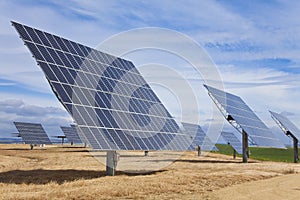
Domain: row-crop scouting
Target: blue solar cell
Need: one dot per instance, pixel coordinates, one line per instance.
(33, 35)
(122, 142)
(34, 50)
(45, 53)
(60, 43)
(47, 70)
(245, 117)
(43, 38)
(55, 57)
(59, 89)
(89, 134)
(52, 41)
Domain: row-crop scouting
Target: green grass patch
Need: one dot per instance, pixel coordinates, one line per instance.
(265, 154)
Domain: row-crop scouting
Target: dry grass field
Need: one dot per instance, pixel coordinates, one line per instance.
(57, 172)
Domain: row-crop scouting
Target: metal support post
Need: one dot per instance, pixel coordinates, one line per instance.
(111, 162)
(245, 147)
(296, 156)
(234, 154)
(199, 150)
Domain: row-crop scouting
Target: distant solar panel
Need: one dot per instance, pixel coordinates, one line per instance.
(199, 137)
(285, 124)
(71, 134)
(112, 104)
(236, 111)
(231, 139)
(290, 129)
(32, 133)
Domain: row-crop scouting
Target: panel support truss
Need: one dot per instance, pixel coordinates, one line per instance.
(226, 114)
(245, 147)
(231, 120)
(111, 162)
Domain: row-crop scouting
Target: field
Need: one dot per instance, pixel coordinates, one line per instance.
(57, 172)
(264, 154)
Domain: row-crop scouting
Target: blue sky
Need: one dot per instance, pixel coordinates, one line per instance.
(254, 44)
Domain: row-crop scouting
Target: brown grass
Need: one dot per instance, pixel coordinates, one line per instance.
(57, 172)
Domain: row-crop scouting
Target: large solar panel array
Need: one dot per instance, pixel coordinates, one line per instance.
(231, 139)
(108, 98)
(32, 133)
(71, 134)
(235, 109)
(199, 137)
(286, 125)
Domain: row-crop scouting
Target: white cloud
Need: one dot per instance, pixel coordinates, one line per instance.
(16, 110)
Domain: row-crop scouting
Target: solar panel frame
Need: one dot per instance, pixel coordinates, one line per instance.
(231, 139)
(287, 126)
(76, 73)
(32, 133)
(233, 106)
(199, 137)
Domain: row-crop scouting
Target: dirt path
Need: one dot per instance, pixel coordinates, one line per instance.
(282, 187)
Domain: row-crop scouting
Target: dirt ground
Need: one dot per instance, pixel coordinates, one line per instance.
(56, 172)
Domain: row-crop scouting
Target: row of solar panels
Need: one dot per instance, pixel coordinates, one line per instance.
(115, 108)
(33, 133)
(237, 112)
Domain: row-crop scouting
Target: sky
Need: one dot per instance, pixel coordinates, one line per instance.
(254, 45)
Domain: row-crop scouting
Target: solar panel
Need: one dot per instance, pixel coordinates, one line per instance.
(286, 125)
(32, 133)
(236, 110)
(199, 137)
(71, 134)
(231, 139)
(112, 104)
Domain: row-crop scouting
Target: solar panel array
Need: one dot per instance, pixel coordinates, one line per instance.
(32, 133)
(238, 110)
(199, 137)
(71, 134)
(231, 139)
(108, 98)
(286, 124)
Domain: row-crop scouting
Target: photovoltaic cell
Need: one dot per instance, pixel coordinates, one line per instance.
(71, 134)
(238, 110)
(286, 125)
(114, 107)
(32, 133)
(199, 137)
(231, 139)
